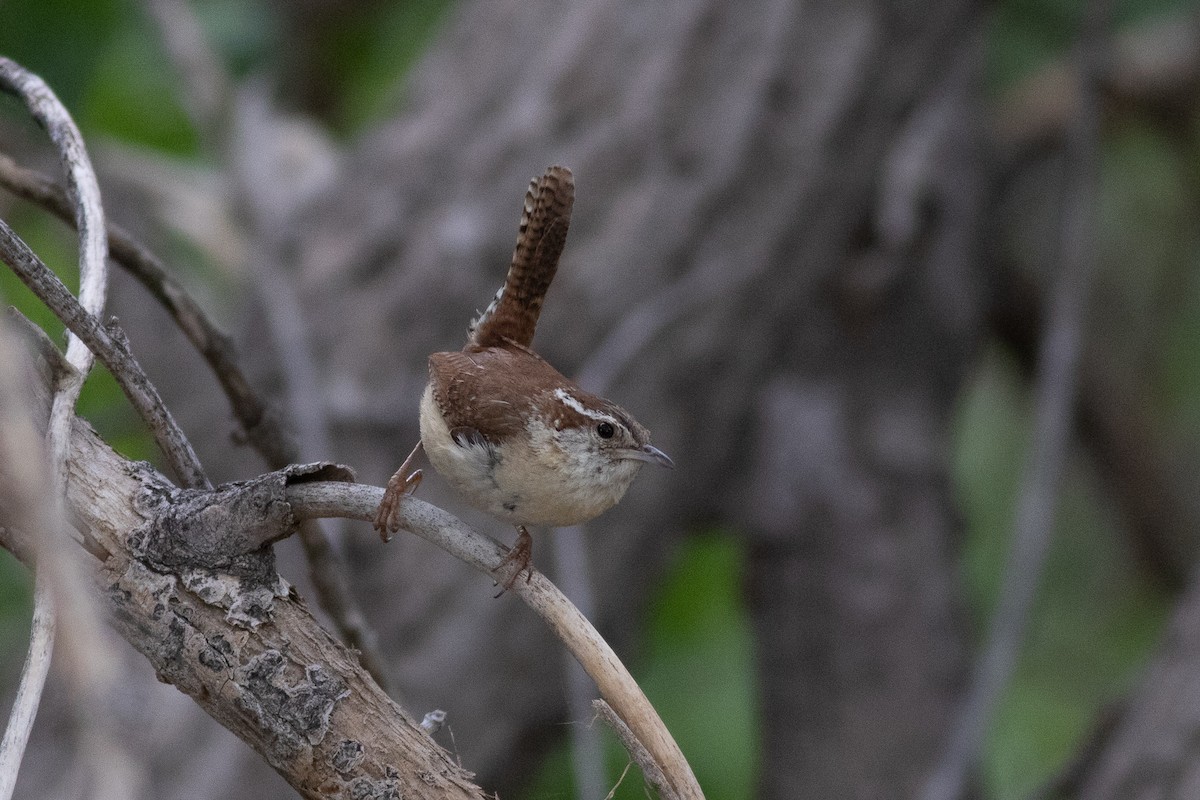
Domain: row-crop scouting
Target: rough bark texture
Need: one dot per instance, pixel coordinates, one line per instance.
(226, 630)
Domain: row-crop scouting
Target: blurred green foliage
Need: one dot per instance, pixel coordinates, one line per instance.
(1098, 615)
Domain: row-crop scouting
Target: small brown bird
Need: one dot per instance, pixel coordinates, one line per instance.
(509, 432)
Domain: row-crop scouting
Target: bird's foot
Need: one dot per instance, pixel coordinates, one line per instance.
(521, 555)
(399, 486)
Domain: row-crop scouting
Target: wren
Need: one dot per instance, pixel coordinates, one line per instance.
(505, 429)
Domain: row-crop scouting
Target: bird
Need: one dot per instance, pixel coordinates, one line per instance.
(507, 431)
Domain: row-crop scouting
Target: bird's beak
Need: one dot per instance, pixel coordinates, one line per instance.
(651, 455)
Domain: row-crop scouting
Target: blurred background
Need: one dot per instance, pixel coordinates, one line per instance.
(815, 249)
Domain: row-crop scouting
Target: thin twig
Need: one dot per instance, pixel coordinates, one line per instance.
(636, 751)
(208, 94)
(110, 347)
(1053, 406)
(260, 425)
(33, 681)
(25, 496)
(617, 686)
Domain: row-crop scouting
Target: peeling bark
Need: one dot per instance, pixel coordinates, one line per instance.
(183, 585)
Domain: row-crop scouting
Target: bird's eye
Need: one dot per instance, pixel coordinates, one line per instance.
(605, 430)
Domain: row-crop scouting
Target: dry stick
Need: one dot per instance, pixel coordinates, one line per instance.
(24, 493)
(259, 424)
(1058, 360)
(53, 574)
(617, 686)
(207, 93)
(639, 754)
(109, 345)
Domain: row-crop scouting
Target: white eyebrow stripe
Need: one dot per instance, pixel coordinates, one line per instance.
(569, 400)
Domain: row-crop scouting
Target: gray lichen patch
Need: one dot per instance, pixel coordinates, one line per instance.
(247, 604)
(218, 540)
(346, 756)
(217, 528)
(367, 789)
(294, 714)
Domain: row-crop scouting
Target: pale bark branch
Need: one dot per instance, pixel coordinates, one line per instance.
(483, 553)
(186, 580)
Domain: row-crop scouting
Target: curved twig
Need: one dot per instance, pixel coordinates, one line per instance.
(53, 576)
(259, 423)
(617, 686)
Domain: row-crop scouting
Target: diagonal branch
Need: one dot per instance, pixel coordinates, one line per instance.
(259, 423)
(433, 524)
(236, 640)
(110, 346)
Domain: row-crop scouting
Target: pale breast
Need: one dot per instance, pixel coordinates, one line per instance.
(526, 479)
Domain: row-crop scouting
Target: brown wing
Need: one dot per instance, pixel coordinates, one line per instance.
(513, 314)
(487, 390)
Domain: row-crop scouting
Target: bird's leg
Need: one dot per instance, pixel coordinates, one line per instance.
(402, 483)
(520, 554)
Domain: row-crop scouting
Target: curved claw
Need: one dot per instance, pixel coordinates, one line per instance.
(520, 554)
(399, 486)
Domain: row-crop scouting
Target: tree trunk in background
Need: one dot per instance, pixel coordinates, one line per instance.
(791, 191)
(1153, 751)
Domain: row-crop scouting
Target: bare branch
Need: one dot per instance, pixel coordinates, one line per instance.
(200, 615)
(259, 424)
(636, 750)
(109, 345)
(1058, 360)
(433, 524)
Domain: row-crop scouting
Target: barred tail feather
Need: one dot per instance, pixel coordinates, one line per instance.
(512, 315)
